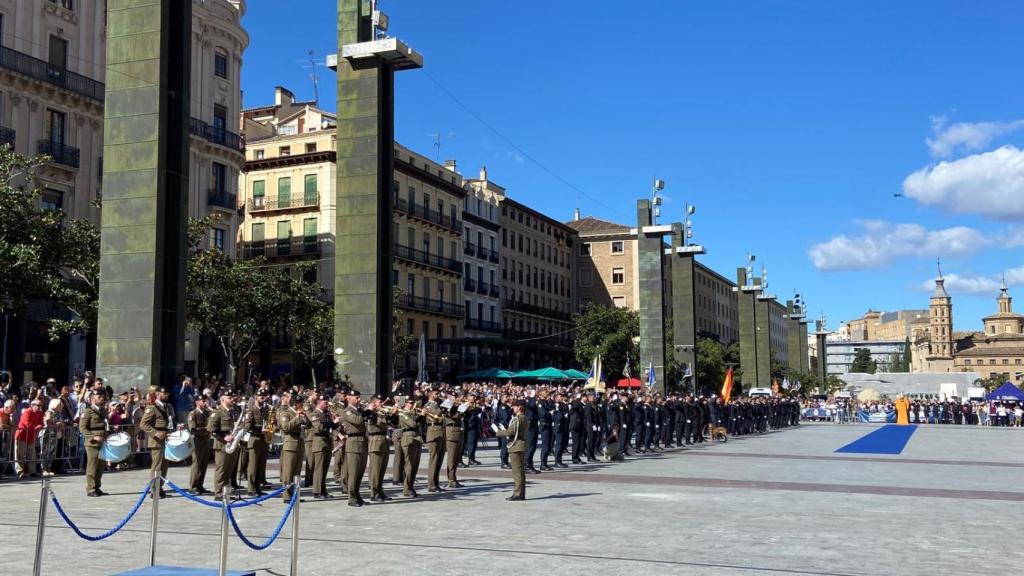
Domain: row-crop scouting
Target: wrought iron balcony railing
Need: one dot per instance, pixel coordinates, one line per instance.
(60, 152)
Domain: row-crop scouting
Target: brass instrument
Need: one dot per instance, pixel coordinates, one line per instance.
(236, 432)
(387, 410)
(270, 428)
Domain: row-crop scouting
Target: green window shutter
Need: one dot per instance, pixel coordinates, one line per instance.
(309, 239)
(310, 190)
(259, 188)
(258, 234)
(284, 192)
(284, 237)
(309, 227)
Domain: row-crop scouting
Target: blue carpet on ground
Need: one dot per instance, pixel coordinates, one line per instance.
(889, 439)
(180, 571)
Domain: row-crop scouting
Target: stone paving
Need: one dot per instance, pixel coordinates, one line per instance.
(781, 503)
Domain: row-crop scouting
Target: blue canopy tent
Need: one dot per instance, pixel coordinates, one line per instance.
(1006, 393)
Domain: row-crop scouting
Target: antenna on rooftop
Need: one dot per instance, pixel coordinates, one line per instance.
(315, 78)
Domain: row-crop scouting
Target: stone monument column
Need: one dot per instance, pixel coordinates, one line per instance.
(746, 297)
(684, 302)
(366, 69)
(763, 323)
(143, 248)
(821, 334)
(652, 298)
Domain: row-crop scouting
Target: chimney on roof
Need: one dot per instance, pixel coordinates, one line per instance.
(483, 173)
(576, 215)
(450, 165)
(283, 96)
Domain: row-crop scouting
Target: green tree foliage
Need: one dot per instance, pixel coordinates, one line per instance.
(43, 254)
(309, 319)
(607, 331)
(400, 344)
(713, 361)
(863, 363)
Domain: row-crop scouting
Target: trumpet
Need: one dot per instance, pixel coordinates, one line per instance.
(271, 426)
(387, 410)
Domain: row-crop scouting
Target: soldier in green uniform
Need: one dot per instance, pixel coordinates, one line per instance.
(435, 442)
(336, 408)
(94, 426)
(354, 424)
(198, 419)
(412, 443)
(255, 422)
(307, 438)
(322, 425)
(292, 421)
(398, 468)
(516, 434)
(454, 436)
(156, 423)
(221, 424)
(377, 442)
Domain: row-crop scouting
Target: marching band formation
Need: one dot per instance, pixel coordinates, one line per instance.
(315, 430)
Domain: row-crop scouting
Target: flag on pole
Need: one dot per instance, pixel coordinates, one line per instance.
(785, 383)
(775, 387)
(650, 375)
(629, 368)
(594, 378)
(727, 386)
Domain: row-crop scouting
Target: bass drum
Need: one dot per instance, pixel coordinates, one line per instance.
(116, 448)
(179, 446)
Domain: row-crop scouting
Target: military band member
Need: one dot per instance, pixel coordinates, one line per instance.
(198, 419)
(94, 426)
(502, 416)
(398, 467)
(454, 437)
(354, 424)
(307, 438)
(293, 421)
(472, 423)
(157, 424)
(255, 423)
(545, 406)
(322, 426)
(377, 442)
(435, 442)
(221, 424)
(516, 435)
(336, 408)
(412, 443)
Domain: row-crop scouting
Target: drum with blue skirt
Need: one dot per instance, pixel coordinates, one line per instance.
(178, 446)
(116, 448)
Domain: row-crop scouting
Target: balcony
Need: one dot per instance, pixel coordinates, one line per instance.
(483, 288)
(495, 291)
(221, 199)
(468, 284)
(60, 153)
(432, 306)
(483, 325)
(469, 249)
(296, 246)
(7, 136)
(426, 214)
(216, 135)
(269, 204)
(427, 259)
(45, 72)
(536, 310)
(492, 255)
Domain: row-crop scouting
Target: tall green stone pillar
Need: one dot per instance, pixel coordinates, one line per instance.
(746, 296)
(650, 256)
(365, 166)
(684, 306)
(141, 324)
(763, 322)
(796, 322)
(821, 335)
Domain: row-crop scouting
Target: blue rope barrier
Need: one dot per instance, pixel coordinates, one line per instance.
(195, 499)
(274, 494)
(108, 533)
(277, 531)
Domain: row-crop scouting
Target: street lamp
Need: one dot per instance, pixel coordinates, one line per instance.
(688, 224)
(658, 186)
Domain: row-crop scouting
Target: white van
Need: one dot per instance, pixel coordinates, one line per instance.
(760, 393)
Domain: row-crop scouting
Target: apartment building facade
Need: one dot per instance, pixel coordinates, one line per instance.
(52, 66)
(481, 280)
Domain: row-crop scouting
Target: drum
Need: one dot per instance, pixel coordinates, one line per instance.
(116, 448)
(179, 446)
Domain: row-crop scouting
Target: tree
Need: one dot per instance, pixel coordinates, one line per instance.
(608, 331)
(233, 301)
(309, 320)
(991, 383)
(863, 363)
(400, 344)
(43, 254)
(711, 365)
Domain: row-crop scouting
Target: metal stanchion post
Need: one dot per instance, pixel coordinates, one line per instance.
(44, 497)
(222, 567)
(154, 494)
(295, 529)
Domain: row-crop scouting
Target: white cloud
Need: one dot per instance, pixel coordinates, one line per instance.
(965, 284)
(990, 184)
(968, 136)
(883, 242)
(1015, 276)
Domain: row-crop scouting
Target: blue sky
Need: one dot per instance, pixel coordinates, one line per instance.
(791, 125)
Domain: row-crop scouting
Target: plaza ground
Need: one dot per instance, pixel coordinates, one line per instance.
(781, 503)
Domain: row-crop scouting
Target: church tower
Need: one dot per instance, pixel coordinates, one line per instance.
(940, 328)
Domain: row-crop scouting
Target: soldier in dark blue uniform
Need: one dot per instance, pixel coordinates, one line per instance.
(532, 433)
(502, 416)
(544, 408)
(473, 422)
(577, 426)
(560, 427)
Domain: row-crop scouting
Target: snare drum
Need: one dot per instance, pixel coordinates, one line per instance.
(116, 448)
(179, 446)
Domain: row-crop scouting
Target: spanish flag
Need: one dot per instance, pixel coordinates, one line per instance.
(727, 387)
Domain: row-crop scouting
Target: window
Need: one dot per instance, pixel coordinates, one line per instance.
(284, 151)
(617, 247)
(259, 153)
(58, 56)
(310, 189)
(410, 285)
(411, 195)
(618, 275)
(586, 277)
(284, 192)
(310, 147)
(220, 122)
(284, 236)
(585, 249)
(258, 232)
(219, 178)
(52, 200)
(259, 192)
(409, 327)
(309, 231)
(220, 63)
(55, 127)
(218, 239)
